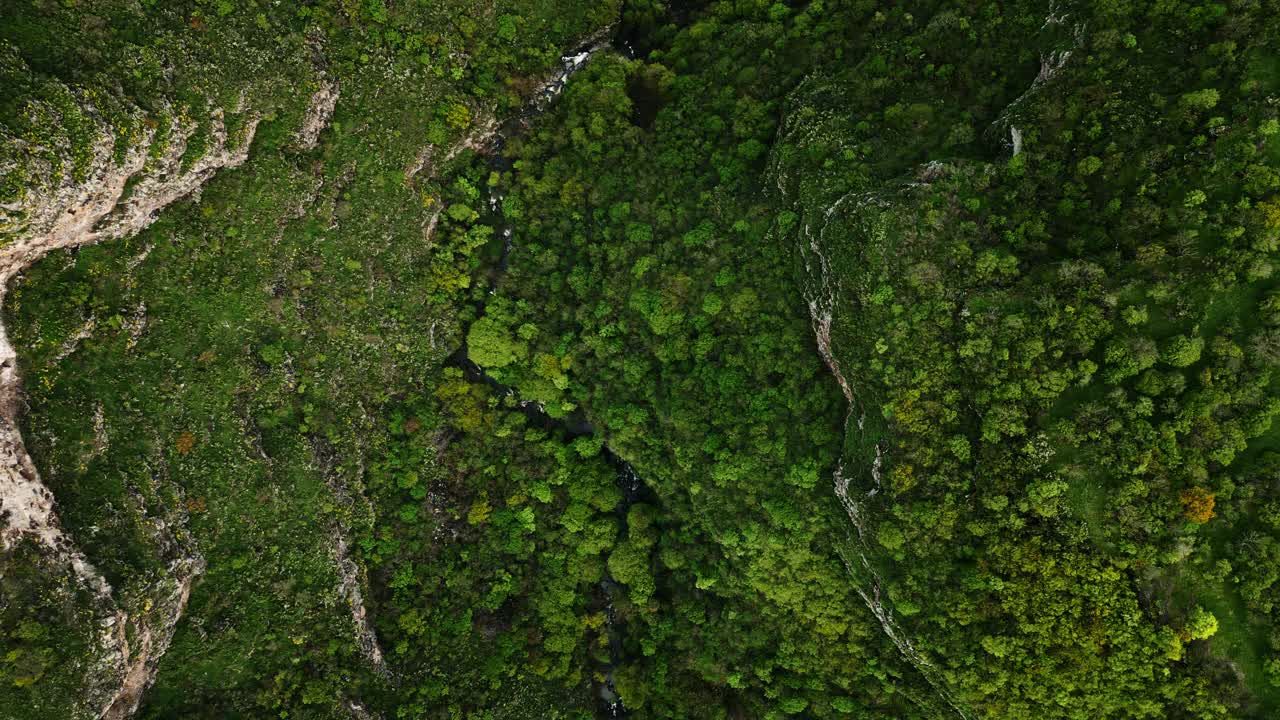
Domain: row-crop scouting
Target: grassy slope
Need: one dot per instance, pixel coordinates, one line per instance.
(284, 310)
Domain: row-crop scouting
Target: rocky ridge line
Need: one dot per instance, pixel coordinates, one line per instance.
(116, 199)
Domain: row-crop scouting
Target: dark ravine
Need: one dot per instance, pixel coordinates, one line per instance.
(575, 424)
(629, 482)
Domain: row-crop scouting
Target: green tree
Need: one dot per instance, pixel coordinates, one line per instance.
(490, 344)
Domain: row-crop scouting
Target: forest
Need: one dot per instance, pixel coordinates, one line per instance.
(706, 359)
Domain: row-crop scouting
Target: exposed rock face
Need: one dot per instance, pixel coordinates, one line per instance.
(155, 632)
(479, 138)
(832, 294)
(1069, 38)
(103, 206)
(319, 112)
(349, 584)
(26, 504)
(81, 214)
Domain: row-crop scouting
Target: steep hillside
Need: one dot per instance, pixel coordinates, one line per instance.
(716, 360)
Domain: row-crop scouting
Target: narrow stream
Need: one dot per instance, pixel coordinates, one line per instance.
(628, 481)
(575, 424)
